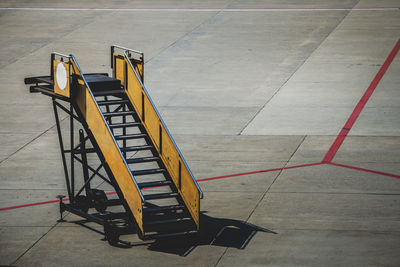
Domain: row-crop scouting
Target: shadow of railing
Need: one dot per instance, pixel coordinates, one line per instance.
(220, 232)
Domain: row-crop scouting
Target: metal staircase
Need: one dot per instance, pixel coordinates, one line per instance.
(154, 185)
(164, 213)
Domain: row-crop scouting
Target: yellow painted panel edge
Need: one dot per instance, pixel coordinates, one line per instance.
(120, 69)
(170, 156)
(111, 154)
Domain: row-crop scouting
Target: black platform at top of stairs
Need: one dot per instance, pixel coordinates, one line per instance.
(98, 82)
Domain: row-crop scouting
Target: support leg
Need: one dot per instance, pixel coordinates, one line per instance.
(62, 208)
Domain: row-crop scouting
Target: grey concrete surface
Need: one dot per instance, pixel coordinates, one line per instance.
(357, 248)
(383, 149)
(241, 90)
(331, 180)
(15, 240)
(322, 211)
(327, 66)
(238, 148)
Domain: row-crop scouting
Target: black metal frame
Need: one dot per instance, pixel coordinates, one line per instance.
(83, 198)
(75, 204)
(78, 155)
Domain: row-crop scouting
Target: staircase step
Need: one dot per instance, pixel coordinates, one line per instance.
(135, 148)
(148, 171)
(130, 136)
(160, 196)
(141, 160)
(124, 125)
(162, 208)
(166, 221)
(163, 235)
(107, 93)
(118, 113)
(153, 184)
(112, 102)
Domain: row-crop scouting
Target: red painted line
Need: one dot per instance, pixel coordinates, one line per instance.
(199, 180)
(364, 170)
(30, 204)
(360, 106)
(42, 203)
(260, 171)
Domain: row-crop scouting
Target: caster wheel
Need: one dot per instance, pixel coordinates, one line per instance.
(99, 200)
(82, 203)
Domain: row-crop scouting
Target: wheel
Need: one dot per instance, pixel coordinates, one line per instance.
(82, 203)
(99, 200)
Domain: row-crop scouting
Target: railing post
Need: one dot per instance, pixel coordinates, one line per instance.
(60, 140)
(112, 57)
(52, 66)
(84, 162)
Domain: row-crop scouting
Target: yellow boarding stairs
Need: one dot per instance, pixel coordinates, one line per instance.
(133, 144)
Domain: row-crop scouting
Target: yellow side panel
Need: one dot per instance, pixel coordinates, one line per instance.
(113, 157)
(189, 189)
(120, 69)
(152, 122)
(135, 91)
(66, 90)
(111, 153)
(81, 99)
(139, 67)
(169, 154)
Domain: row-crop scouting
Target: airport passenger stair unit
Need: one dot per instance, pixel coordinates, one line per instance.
(157, 195)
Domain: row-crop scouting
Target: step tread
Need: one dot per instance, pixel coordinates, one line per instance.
(130, 136)
(127, 124)
(135, 148)
(162, 208)
(160, 196)
(141, 160)
(118, 113)
(148, 171)
(106, 93)
(154, 183)
(112, 102)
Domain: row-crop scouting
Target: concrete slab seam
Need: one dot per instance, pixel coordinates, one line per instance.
(30, 247)
(35, 138)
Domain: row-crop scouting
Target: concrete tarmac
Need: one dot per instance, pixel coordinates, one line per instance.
(243, 86)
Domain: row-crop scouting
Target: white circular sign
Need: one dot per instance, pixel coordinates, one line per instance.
(61, 76)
